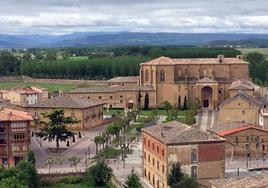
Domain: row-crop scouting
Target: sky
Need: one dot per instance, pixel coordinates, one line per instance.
(181, 16)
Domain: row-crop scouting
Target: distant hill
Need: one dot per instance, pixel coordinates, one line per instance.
(122, 38)
(249, 43)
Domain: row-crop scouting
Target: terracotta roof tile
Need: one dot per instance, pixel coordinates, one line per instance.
(178, 133)
(7, 114)
(66, 102)
(168, 61)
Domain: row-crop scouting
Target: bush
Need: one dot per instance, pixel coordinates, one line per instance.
(72, 180)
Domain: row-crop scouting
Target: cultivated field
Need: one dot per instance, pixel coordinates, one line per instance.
(263, 51)
(50, 86)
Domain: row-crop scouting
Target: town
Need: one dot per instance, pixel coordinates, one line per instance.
(202, 117)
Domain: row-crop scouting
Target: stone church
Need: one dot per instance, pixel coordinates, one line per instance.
(206, 80)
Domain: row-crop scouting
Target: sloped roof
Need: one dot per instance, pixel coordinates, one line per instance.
(206, 80)
(66, 102)
(234, 127)
(168, 61)
(128, 79)
(240, 85)
(178, 133)
(110, 89)
(7, 114)
(244, 96)
(257, 181)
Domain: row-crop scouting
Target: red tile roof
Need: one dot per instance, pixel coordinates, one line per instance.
(7, 114)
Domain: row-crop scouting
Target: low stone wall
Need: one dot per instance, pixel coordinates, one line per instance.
(57, 177)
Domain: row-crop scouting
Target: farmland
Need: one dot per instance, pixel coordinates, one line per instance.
(263, 51)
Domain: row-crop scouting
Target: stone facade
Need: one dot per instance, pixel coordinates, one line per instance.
(204, 80)
(89, 114)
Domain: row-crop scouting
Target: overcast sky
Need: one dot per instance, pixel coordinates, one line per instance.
(66, 16)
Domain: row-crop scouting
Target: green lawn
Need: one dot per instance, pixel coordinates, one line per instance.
(263, 51)
(49, 86)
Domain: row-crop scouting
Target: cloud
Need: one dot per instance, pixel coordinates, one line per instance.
(65, 16)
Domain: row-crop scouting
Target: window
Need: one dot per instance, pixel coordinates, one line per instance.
(88, 97)
(236, 140)
(163, 152)
(157, 165)
(194, 172)
(179, 72)
(153, 146)
(162, 76)
(194, 155)
(121, 96)
(121, 101)
(153, 161)
(205, 72)
(100, 97)
(144, 140)
(36, 114)
(146, 75)
(243, 112)
(111, 97)
(157, 149)
(149, 159)
(72, 114)
(163, 168)
(144, 156)
(149, 143)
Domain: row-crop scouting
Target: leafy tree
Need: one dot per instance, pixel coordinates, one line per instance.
(189, 117)
(167, 106)
(31, 157)
(74, 160)
(176, 179)
(11, 182)
(98, 141)
(100, 174)
(133, 180)
(27, 173)
(56, 127)
(146, 101)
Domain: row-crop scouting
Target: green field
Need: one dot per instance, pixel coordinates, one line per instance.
(51, 87)
(78, 58)
(263, 51)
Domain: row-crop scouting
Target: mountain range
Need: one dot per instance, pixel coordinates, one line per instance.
(120, 38)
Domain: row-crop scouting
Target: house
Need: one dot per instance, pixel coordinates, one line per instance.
(14, 136)
(241, 137)
(89, 113)
(201, 154)
(21, 97)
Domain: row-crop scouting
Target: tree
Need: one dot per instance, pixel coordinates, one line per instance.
(139, 99)
(27, 173)
(179, 102)
(167, 106)
(55, 128)
(133, 180)
(176, 179)
(74, 160)
(189, 117)
(146, 101)
(12, 182)
(31, 157)
(185, 103)
(98, 141)
(100, 174)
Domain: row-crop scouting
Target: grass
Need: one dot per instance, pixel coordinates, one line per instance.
(263, 51)
(51, 87)
(78, 58)
(108, 153)
(160, 112)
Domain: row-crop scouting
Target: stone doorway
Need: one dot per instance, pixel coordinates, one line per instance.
(206, 97)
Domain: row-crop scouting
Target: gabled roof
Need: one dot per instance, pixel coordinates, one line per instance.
(234, 127)
(244, 96)
(168, 61)
(7, 114)
(240, 85)
(66, 102)
(178, 133)
(206, 80)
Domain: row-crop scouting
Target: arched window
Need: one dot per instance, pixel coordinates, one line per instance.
(162, 76)
(146, 75)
